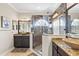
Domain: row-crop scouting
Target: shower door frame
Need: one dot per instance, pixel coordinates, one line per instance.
(31, 45)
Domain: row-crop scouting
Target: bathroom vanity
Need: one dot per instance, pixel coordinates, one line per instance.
(60, 48)
(47, 45)
(21, 41)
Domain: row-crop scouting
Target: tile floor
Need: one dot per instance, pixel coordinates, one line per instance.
(27, 53)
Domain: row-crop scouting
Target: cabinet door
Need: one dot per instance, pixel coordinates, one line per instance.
(25, 41)
(54, 49)
(17, 41)
(61, 52)
(55, 52)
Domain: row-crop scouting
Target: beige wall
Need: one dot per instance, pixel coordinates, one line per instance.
(6, 36)
(24, 16)
(29, 15)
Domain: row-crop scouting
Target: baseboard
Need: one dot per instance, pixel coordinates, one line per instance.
(3, 54)
(35, 52)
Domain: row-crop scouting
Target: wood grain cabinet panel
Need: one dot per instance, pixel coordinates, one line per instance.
(61, 52)
(57, 51)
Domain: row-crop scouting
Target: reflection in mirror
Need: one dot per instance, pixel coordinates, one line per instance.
(25, 26)
(74, 24)
(59, 25)
(59, 21)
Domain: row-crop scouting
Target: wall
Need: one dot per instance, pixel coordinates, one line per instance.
(47, 47)
(6, 37)
(24, 16)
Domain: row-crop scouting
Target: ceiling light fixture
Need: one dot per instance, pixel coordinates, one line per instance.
(55, 15)
(25, 19)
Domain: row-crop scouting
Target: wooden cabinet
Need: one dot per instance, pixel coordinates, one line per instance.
(61, 52)
(54, 48)
(21, 41)
(57, 51)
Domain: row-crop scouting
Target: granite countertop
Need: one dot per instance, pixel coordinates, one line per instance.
(55, 36)
(60, 43)
(21, 34)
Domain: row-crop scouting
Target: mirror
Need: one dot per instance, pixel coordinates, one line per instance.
(59, 25)
(74, 24)
(59, 21)
(24, 26)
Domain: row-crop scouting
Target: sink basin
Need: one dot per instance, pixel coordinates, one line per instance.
(73, 43)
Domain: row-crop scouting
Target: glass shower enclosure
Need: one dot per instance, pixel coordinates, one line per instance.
(40, 25)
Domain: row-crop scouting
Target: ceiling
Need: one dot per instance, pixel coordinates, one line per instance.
(35, 7)
(74, 9)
